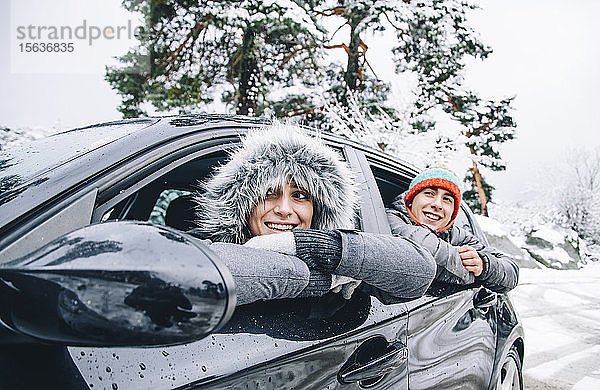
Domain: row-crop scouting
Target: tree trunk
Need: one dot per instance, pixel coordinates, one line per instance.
(480, 190)
(351, 77)
(247, 102)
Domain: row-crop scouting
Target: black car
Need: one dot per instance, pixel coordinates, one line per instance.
(97, 291)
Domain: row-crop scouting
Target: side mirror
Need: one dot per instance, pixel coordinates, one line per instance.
(117, 284)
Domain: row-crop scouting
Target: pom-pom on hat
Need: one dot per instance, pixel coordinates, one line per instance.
(435, 177)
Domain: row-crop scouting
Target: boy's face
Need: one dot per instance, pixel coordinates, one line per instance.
(433, 207)
(282, 210)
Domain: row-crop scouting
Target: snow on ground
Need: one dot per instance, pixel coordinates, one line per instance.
(491, 226)
(560, 312)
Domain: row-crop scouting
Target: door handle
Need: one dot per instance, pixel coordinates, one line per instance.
(484, 299)
(356, 369)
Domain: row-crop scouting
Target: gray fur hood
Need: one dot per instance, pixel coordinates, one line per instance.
(267, 158)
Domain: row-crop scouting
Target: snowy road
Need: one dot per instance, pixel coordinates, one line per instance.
(560, 311)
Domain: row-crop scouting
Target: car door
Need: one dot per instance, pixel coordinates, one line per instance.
(326, 342)
(452, 329)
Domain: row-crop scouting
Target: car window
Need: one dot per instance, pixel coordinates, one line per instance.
(390, 185)
(168, 200)
(156, 200)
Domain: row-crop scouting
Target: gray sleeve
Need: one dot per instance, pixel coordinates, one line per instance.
(450, 268)
(260, 274)
(394, 265)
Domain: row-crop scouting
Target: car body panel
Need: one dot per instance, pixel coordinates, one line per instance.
(439, 339)
(270, 339)
(457, 351)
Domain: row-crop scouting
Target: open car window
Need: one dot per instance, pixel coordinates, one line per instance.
(168, 200)
(390, 186)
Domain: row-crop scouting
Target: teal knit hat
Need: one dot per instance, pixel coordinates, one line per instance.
(436, 177)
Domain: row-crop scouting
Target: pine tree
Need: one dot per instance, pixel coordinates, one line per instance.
(471, 195)
(434, 44)
(193, 50)
(353, 85)
(268, 58)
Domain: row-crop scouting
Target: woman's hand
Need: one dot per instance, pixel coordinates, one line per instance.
(471, 259)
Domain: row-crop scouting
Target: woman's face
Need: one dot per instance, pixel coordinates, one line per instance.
(282, 210)
(433, 207)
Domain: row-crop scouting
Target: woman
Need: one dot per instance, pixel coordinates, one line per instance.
(291, 191)
(426, 213)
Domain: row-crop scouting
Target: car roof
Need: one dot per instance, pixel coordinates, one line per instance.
(34, 172)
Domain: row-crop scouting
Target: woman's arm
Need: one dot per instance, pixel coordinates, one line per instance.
(392, 268)
(262, 275)
(395, 266)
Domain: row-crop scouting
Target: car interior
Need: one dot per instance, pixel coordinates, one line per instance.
(168, 199)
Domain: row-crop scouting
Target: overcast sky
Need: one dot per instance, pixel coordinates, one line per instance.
(546, 52)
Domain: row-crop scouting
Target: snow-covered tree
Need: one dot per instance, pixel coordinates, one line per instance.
(271, 57)
(393, 135)
(434, 45)
(433, 42)
(191, 51)
(577, 200)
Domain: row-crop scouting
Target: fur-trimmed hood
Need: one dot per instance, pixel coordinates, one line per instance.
(267, 158)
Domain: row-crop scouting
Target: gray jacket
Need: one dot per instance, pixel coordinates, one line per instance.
(500, 272)
(391, 268)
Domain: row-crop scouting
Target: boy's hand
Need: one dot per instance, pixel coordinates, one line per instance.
(470, 259)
